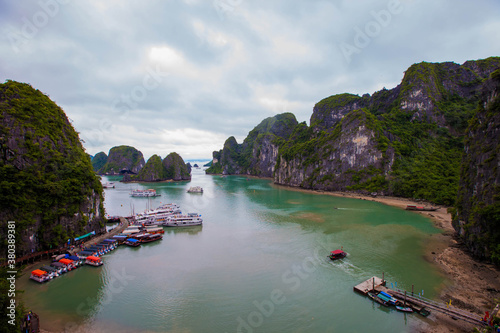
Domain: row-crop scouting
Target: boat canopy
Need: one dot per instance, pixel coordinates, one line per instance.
(132, 240)
(85, 236)
(56, 264)
(38, 272)
(337, 252)
(66, 261)
(92, 258)
(74, 258)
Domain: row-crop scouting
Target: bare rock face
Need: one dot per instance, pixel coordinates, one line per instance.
(349, 155)
(477, 217)
(258, 153)
(48, 186)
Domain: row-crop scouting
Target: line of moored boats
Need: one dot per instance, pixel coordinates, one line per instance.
(65, 262)
(147, 228)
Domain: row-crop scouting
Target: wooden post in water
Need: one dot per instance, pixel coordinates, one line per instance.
(383, 277)
(412, 290)
(405, 299)
(373, 283)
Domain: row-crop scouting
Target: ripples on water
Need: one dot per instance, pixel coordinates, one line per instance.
(255, 239)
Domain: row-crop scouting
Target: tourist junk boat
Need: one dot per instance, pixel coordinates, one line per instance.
(68, 263)
(158, 215)
(39, 276)
(195, 189)
(51, 271)
(151, 238)
(108, 185)
(190, 219)
(132, 242)
(144, 193)
(94, 261)
(337, 254)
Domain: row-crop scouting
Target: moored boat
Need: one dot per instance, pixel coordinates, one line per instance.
(420, 208)
(195, 189)
(94, 261)
(404, 308)
(151, 238)
(144, 193)
(70, 264)
(337, 254)
(39, 276)
(132, 242)
(183, 220)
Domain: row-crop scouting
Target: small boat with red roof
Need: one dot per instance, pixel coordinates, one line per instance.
(337, 254)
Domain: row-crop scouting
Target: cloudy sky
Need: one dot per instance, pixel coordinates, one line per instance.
(184, 75)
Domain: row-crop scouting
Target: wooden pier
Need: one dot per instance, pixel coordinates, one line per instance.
(369, 285)
(418, 304)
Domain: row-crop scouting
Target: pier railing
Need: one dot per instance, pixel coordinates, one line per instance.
(444, 308)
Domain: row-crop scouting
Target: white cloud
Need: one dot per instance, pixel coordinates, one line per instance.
(226, 71)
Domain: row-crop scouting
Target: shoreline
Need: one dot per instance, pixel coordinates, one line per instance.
(473, 285)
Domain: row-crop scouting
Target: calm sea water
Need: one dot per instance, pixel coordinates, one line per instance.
(258, 264)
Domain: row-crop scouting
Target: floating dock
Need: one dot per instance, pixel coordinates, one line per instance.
(369, 285)
(418, 304)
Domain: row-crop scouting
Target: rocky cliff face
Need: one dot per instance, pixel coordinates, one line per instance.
(48, 186)
(175, 167)
(406, 141)
(350, 154)
(99, 160)
(121, 160)
(477, 216)
(258, 153)
(171, 168)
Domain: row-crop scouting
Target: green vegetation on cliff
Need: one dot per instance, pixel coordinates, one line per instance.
(175, 167)
(123, 158)
(171, 168)
(47, 183)
(477, 211)
(99, 161)
(249, 158)
(152, 171)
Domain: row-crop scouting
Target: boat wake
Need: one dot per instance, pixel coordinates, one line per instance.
(347, 267)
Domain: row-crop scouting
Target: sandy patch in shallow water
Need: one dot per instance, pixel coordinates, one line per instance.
(318, 218)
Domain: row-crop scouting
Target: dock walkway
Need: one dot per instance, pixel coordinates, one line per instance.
(376, 284)
(115, 231)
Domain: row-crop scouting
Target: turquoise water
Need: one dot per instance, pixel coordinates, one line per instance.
(258, 264)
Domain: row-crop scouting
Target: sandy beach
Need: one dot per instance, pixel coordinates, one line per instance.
(474, 285)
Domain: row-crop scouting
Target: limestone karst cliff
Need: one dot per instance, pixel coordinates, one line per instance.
(405, 141)
(47, 183)
(122, 160)
(477, 214)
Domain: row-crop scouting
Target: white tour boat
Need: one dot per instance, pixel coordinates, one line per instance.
(144, 193)
(183, 220)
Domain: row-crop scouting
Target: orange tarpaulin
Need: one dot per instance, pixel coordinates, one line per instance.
(65, 261)
(38, 272)
(93, 258)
